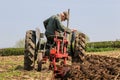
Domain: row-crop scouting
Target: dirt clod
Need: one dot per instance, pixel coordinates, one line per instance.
(95, 67)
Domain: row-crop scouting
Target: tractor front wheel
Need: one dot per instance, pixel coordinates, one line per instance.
(39, 61)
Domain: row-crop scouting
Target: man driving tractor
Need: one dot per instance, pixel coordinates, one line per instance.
(57, 51)
(54, 24)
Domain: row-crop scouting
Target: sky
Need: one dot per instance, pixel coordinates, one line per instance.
(98, 19)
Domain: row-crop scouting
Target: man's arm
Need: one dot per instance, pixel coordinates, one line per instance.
(61, 26)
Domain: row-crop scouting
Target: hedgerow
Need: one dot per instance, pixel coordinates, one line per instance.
(102, 46)
(11, 51)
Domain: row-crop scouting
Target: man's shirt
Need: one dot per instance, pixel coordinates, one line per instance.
(53, 24)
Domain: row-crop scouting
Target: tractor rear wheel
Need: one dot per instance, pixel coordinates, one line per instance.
(78, 47)
(30, 50)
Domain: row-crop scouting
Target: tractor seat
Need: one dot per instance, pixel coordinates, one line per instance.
(58, 36)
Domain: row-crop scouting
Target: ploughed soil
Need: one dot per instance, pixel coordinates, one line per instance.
(95, 67)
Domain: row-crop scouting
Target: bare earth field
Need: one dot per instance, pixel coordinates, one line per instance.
(98, 66)
(115, 54)
(11, 68)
